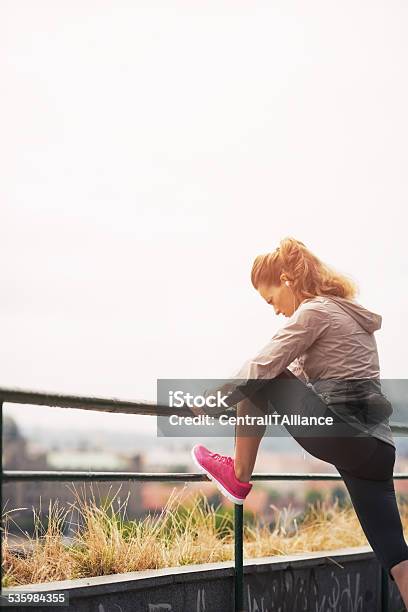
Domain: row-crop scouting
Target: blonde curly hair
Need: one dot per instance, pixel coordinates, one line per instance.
(308, 275)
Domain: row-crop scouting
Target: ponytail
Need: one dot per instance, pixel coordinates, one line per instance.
(309, 276)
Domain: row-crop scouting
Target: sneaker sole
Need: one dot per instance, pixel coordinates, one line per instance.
(230, 496)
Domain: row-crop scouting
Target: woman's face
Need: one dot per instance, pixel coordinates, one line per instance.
(280, 297)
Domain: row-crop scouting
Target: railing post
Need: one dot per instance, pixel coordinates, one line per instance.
(384, 590)
(239, 557)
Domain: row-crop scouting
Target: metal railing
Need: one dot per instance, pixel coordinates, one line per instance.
(20, 396)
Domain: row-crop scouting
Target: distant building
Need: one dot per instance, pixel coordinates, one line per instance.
(18, 454)
(161, 459)
(96, 460)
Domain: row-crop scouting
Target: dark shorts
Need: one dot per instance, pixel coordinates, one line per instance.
(339, 443)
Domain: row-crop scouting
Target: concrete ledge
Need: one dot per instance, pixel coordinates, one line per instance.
(342, 579)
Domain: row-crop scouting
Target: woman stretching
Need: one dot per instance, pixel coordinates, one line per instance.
(323, 362)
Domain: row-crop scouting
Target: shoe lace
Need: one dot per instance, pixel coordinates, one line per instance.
(223, 458)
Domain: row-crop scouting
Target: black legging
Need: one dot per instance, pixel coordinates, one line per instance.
(365, 463)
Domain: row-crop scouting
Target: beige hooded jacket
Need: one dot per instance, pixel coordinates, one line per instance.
(328, 343)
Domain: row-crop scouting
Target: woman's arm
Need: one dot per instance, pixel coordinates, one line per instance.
(290, 341)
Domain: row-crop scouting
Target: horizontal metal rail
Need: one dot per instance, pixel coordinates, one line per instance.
(102, 404)
(23, 475)
(112, 404)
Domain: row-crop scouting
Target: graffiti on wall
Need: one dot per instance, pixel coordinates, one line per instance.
(284, 591)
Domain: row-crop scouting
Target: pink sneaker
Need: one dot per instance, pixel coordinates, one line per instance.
(220, 468)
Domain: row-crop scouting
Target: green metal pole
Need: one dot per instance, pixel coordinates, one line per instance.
(239, 557)
(384, 590)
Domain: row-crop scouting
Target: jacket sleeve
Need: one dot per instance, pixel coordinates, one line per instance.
(290, 341)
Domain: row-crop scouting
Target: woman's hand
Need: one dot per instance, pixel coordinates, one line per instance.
(198, 411)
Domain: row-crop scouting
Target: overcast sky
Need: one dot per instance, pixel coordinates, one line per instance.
(150, 150)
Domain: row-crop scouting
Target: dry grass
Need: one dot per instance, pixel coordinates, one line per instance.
(106, 542)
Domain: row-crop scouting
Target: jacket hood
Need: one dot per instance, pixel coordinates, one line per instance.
(370, 321)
